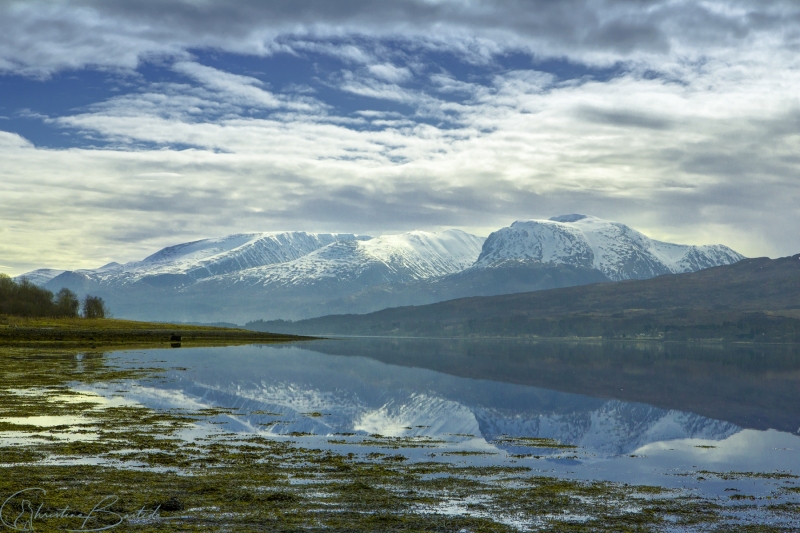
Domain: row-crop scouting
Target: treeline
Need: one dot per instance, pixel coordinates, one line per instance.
(23, 298)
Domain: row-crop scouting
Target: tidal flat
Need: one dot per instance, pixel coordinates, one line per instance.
(82, 447)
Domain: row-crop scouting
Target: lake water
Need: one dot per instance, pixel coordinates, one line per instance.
(715, 420)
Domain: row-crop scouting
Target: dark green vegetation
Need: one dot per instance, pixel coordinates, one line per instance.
(755, 300)
(99, 333)
(27, 300)
(229, 482)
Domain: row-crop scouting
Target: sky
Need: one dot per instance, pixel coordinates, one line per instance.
(129, 125)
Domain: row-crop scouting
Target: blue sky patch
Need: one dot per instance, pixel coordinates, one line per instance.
(29, 104)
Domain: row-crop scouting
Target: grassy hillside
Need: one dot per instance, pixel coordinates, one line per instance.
(753, 300)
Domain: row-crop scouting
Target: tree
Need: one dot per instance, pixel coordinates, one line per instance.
(23, 298)
(94, 307)
(67, 303)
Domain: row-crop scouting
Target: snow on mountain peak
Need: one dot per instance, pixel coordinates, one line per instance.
(39, 276)
(233, 253)
(197, 250)
(615, 249)
(385, 259)
(295, 258)
(440, 252)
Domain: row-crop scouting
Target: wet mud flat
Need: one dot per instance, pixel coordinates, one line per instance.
(72, 458)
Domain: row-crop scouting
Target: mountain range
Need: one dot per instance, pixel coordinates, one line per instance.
(753, 300)
(296, 275)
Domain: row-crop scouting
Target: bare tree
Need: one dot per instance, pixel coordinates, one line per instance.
(94, 307)
(67, 303)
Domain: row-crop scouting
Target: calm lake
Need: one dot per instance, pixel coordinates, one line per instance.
(637, 413)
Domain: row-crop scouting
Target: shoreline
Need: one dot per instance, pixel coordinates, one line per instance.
(109, 332)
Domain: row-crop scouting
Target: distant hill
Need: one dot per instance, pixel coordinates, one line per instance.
(754, 299)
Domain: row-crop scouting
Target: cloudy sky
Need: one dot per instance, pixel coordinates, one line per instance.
(128, 125)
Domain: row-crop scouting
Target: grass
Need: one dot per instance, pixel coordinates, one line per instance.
(115, 333)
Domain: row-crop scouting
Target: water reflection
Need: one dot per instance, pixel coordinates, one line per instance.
(607, 399)
(750, 386)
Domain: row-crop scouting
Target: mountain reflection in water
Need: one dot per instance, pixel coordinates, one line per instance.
(608, 399)
(748, 385)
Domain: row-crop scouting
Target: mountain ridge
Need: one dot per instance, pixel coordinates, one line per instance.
(754, 299)
(296, 275)
(615, 249)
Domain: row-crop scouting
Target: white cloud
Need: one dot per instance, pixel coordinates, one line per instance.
(685, 161)
(242, 89)
(369, 87)
(10, 141)
(390, 73)
(696, 142)
(347, 52)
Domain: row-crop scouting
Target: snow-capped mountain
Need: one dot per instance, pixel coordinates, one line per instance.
(245, 276)
(294, 275)
(209, 257)
(39, 276)
(535, 255)
(615, 249)
(235, 253)
(388, 259)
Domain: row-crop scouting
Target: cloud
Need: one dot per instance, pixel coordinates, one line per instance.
(523, 146)
(344, 51)
(691, 136)
(390, 73)
(10, 141)
(40, 37)
(241, 89)
(623, 117)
